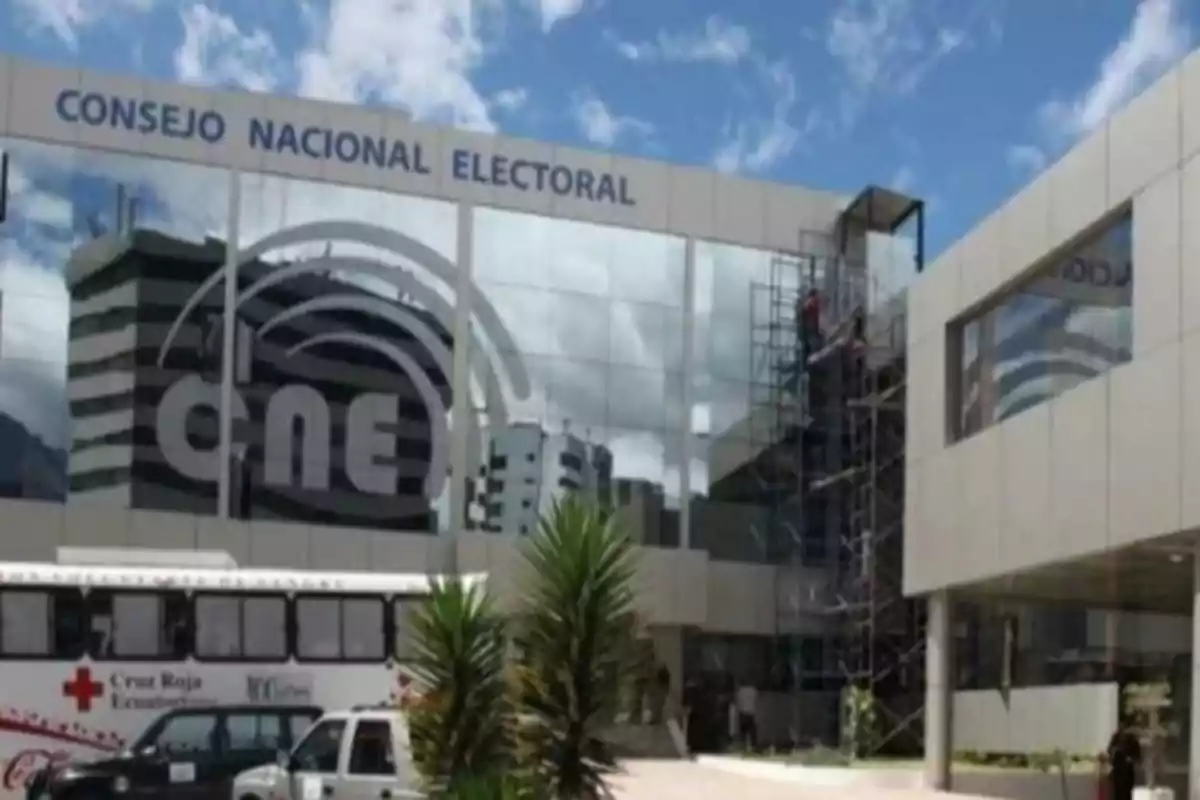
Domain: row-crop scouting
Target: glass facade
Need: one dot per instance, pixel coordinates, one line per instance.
(1070, 322)
(598, 359)
(594, 317)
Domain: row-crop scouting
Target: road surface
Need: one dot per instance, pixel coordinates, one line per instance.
(685, 780)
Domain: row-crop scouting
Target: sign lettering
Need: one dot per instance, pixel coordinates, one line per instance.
(173, 121)
(152, 691)
(369, 425)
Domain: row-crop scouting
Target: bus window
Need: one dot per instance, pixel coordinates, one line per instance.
(37, 623)
(252, 627)
(318, 628)
(340, 629)
(25, 623)
(139, 625)
(404, 610)
(362, 630)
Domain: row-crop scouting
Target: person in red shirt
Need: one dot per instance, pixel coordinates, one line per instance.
(808, 321)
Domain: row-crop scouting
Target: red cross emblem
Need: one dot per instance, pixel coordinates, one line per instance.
(82, 689)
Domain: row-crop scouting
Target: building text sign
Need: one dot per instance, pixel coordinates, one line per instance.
(147, 117)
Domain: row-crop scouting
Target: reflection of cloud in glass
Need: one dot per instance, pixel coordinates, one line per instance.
(1070, 323)
(597, 311)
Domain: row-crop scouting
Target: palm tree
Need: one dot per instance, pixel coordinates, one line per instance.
(575, 631)
(461, 723)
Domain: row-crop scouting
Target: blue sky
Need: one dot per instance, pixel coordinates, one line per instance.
(957, 101)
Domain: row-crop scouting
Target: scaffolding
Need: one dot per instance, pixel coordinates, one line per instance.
(827, 414)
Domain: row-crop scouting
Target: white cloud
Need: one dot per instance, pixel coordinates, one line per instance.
(65, 18)
(214, 50)
(600, 125)
(866, 36)
(1027, 158)
(1157, 37)
(891, 46)
(757, 143)
(552, 12)
(719, 41)
(510, 99)
(417, 54)
(903, 179)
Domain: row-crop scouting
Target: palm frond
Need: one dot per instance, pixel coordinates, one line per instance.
(576, 632)
(461, 723)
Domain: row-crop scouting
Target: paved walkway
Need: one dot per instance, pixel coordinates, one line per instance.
(685, 780)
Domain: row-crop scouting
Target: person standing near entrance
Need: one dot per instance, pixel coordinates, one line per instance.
(746, 702)
(1124, 755)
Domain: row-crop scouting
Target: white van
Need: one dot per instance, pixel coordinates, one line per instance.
(363, 754)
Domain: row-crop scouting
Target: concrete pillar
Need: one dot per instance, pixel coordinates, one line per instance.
(939, 692)
(1194, 712)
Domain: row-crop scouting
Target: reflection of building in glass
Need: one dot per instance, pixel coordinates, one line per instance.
(1065, 324)
(528, 468)
(811, 477)
(126, 292)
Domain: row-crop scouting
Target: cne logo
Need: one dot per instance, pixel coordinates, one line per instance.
(370, 419)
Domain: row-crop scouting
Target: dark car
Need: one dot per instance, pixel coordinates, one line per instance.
(186, 754)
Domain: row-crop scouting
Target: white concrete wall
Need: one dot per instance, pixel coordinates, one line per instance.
(1079, 719)
(1115, 460)
(673, 199)
(675, 587)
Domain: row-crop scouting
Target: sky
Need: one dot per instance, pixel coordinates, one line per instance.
(956, 101)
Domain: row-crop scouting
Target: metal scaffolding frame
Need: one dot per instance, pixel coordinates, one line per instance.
(827, 420)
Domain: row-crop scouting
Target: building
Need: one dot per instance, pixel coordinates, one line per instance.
(528, 469)
(133, 442)
(1051, 464)
(549, 289)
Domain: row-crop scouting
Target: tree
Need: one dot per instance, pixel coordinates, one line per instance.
(576, 630)
(461, 722)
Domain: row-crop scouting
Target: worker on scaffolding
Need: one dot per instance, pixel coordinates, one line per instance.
(856, 352)
(808, 323)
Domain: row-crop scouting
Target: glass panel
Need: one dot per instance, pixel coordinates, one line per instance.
(591, 319)
(98, 257)
(265, 627)
(318, 628)
(1071, 322)
(137, 625)
(218, 627)
(24, 623)
(345, 360)
(320, 748)
(188, 734)
(254, 732)
(362, 629)
(729, 510)
(371, 751)
(405, 644)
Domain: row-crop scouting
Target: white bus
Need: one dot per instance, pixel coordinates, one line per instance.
(89, 656)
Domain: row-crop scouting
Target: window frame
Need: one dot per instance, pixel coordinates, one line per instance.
(359, 724)
(54, 594)
(387, 628)
(161, 724)
(1118, 223)
(288, 628)
(312, 729)
(259, 714)
(94, 651)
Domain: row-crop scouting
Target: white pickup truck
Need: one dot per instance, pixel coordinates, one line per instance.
(363, 754)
